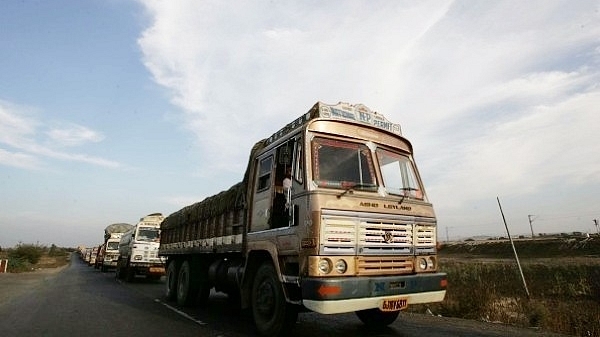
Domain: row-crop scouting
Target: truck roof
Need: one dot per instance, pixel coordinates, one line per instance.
(353, 113)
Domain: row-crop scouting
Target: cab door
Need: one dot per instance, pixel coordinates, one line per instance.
(261, 210)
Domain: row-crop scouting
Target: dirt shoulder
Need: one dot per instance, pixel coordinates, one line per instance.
(13, 285)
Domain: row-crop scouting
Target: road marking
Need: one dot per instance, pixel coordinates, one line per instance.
(179, 312)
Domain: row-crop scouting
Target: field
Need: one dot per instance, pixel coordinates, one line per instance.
(562, 276)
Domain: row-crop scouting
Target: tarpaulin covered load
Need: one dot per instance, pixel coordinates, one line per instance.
(116, 228)
(232, 199)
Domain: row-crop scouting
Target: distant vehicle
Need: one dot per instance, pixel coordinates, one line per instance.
(138, 250)
(112, 237)
(99, 257)
(93, 256)
(87, 255)
(331, 216)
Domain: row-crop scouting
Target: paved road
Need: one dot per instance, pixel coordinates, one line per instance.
(81, 301)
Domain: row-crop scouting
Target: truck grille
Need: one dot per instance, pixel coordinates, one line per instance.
(354, 233)
(389, 265)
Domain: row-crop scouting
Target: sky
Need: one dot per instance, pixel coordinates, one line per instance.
(114, 109)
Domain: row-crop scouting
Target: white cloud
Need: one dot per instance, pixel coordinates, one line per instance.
(239, 73)
(74, 135)
(497, 97)
(26, 148)
(19, 160)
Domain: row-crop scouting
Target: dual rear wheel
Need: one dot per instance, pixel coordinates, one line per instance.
(186, 283)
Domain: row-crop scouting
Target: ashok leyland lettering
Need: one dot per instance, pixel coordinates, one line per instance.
(331, 216)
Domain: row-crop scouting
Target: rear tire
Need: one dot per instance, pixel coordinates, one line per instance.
(187, 285)
(376, 318)
(270, 310)
(171, 281)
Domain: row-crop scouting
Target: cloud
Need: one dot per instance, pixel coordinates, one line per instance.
(240, 73)
(25, 145)
(497, 97)
(73, 135)
(19, 160)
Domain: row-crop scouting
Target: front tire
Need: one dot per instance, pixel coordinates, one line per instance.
(270, 310)
(376, 318)
(129, 273)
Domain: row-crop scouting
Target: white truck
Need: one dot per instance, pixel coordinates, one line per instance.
(138, 250)
(112, 237)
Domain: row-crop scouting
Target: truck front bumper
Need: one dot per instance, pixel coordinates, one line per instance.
(143, 268)
(344, 294)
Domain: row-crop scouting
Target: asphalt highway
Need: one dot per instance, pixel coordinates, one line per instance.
(79, 300)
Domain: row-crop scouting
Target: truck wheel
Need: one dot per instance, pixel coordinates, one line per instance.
(129, 273)
(377, 318)
(272, 314)
(171, 281)
(119, 272)
(187, 285)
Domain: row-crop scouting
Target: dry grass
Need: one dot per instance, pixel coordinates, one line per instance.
(564, 291)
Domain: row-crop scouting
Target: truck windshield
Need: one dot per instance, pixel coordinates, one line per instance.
(398, 174)
(343, 165)
(147, 234)
(112, 245)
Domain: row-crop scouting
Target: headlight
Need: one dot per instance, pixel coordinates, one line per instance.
(341, 266)
(325, 266)
(422, 264)
(137, 257)
(431, 263)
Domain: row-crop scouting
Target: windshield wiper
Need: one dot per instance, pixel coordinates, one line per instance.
(352, 187)
(405, 189)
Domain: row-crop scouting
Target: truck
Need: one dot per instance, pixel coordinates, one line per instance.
(353, 232)
(112, 237)
(138, 250)
(93, 255)
(99, 256)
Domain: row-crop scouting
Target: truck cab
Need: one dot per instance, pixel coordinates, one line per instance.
(138, 250)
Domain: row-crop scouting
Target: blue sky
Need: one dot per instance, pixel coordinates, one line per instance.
(111, 110)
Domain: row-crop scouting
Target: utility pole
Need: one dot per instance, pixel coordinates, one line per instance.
(448, 237)
(531, 218)
(514, 249)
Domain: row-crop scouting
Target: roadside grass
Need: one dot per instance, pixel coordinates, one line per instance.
(564, 288)
(29, 257)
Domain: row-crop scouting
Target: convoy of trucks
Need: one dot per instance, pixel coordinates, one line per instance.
(351, 230)
(331, 216)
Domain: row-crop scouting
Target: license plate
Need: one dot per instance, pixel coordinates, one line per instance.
(394, 304)
(157, 270)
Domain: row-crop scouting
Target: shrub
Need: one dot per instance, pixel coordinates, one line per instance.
(27, 252)
(18, 265)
